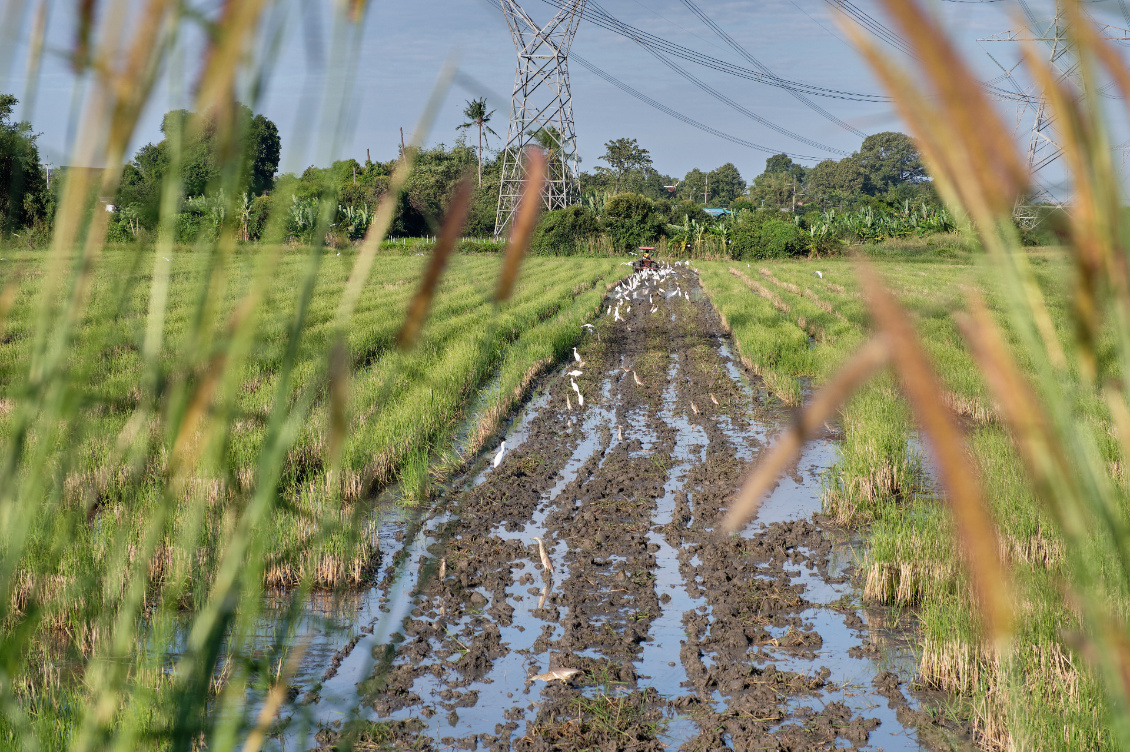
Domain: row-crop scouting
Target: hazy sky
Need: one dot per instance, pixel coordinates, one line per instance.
(403, 47)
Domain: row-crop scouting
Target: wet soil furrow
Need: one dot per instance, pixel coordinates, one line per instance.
(663, 631)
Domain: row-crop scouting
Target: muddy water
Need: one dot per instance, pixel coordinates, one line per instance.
(678, 636)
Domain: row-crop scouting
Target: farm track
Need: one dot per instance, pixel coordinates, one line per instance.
(680, 636)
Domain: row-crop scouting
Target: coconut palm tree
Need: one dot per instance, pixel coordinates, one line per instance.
(477, 115)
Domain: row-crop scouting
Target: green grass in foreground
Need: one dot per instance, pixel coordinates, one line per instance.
(794, 327)
(403, 412)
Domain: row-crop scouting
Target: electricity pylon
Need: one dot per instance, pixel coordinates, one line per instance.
(541, 108)
(1043, 151)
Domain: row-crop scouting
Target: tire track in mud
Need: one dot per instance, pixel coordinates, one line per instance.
(679, 636)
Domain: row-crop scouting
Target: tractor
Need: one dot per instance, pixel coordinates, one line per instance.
(645, 261)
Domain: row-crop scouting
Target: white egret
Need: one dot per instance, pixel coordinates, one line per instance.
(546, 564)
(577, 357)
(637, 379)
(619, 433)
(568, 402)
(574, 373)
(818, 274)
(498, 457)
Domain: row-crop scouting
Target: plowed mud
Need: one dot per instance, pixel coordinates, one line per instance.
(677, 635)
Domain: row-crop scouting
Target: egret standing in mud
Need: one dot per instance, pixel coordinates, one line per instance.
(577, 357)
(546, 564)
(577, 389)
(498, 457)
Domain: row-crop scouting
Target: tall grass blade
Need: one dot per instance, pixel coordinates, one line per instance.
(452, 228)
(525, 219)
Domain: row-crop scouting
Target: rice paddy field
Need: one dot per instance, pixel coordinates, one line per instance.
(795, 324)
(107, 465)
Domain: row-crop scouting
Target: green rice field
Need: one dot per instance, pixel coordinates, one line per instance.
(136, 444)
(795, 328)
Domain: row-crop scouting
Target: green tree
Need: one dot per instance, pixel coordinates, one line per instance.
(624, 155)
(725, 185)
(632, 220)
(782, 164)
(833, 183)
(478, 117)
(263, 150)
(889, 160)
(201, 165)
(23, 192)
(693, 187)
(772, 189)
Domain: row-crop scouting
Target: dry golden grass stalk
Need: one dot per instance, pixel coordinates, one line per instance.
(524, 222)
(961, 134)
(967, 146)
(957, 473)
(452, 228)
(866, 362)
(83, 29)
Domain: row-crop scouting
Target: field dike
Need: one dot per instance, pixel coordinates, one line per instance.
(669, 633)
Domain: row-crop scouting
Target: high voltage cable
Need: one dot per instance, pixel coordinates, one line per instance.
(627, 89)
(739, 108)
(725, 37)
(877, 29)
(609, 78)
(599, 17)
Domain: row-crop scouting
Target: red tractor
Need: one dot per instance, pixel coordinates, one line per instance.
(645, 261)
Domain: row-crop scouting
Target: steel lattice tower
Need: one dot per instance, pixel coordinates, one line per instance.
(1043, 151)
(541, 108)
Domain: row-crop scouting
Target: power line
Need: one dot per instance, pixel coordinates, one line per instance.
(670, 111)
(758, 64)
(599, 17)
(609, 78)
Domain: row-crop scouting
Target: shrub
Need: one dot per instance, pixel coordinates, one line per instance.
(762, 234)
(560, 231)
(632, 220)
(781, 239)
(257, 215)
(186, 228)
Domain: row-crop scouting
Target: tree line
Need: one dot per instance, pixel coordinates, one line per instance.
(624, 199)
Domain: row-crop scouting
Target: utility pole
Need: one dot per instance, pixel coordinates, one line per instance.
(542, 102)
(48, 166)
(402, 142)
(794, 195)
(1043, 151)
(706, 191)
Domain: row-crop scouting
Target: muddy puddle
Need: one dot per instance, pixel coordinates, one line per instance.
(664, 632)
